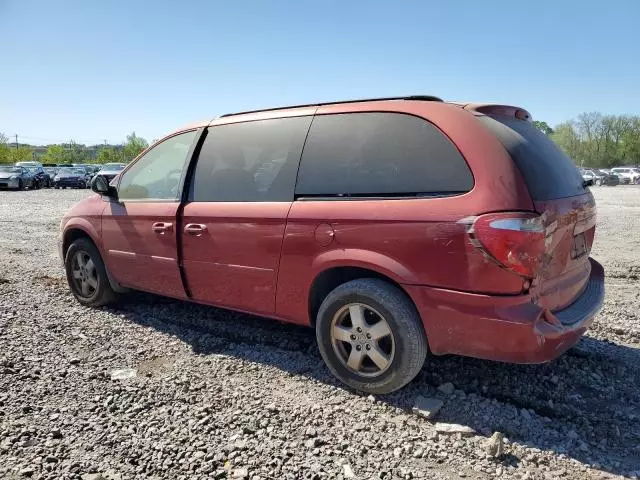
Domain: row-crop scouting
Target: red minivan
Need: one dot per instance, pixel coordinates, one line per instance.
(393, 226)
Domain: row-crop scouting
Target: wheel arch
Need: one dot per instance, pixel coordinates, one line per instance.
(330, 278)
(81, 228)
(76, 229)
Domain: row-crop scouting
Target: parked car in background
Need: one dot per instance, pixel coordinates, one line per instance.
(16, 177)
(71, 177)
(110, 170)
(41, 177)
(607, 178)
(599, 177)
(626, 175)
(51, 172)
(28, 164)
(589, 177)
(380, 223)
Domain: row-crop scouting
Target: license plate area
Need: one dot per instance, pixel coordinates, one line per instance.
(579, 246)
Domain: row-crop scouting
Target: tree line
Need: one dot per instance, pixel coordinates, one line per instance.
(597, 140)
(591, 140)
(73, 152)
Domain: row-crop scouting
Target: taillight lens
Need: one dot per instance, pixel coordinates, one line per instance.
(515, 240)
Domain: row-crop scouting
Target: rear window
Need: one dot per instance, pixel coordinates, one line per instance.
(379, 154)
(548, 172)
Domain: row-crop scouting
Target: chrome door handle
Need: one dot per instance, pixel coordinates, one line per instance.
(194, 228)
(162, 227)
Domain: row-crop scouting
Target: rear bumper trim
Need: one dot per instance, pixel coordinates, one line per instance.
(588, 303)
(508, 328)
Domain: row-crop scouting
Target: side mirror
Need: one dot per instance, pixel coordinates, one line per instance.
(101, 186)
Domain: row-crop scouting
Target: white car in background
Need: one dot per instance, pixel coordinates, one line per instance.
(627, 174)
(28, 164)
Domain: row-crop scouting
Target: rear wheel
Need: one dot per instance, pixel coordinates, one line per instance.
(370, 336)
(87, 275)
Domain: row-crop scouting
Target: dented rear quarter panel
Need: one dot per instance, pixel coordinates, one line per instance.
(414, 241)
(563, 277)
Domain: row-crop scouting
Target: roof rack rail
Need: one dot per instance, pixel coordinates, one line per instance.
(426, 98)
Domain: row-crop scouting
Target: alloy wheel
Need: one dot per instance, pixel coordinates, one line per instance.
(85, 275)
(362, 339)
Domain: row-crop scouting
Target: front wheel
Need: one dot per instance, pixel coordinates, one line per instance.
(20, 185)
(371, 336)
(87, 275)
(598, 182)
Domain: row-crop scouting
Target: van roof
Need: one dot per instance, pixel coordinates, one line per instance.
(426, 98)
(475, 108)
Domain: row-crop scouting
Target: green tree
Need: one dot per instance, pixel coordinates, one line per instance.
(134, 146)
(566, 136)
(21, 154)
(5, 156)
(77, 153)
(543, 127)
(110, 155)
(55, 154)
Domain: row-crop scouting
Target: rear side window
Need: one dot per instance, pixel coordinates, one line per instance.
(548, 172)
(250, 162)
(379, 154)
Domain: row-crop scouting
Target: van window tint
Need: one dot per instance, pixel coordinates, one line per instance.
(548, 172)
(250, 161)
(379, 154)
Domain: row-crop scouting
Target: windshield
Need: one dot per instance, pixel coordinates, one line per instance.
(112, 166)
(10, 169)
(71, 170)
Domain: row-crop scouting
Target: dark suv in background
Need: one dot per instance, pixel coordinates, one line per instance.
(392, 226)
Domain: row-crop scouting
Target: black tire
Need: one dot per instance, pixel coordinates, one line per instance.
(103, 293)
(408, 334)
(20, 184)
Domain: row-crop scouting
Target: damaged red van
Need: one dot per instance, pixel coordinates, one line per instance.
(395, 227)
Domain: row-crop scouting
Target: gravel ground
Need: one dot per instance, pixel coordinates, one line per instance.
(241, 397)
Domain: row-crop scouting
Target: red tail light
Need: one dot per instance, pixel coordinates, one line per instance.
(514, 240)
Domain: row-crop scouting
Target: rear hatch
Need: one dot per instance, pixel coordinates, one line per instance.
(566, 208)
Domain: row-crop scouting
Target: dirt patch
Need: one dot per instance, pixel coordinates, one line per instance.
(50, 281)
(155, 366)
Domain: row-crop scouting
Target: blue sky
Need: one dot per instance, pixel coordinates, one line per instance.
(94, 70)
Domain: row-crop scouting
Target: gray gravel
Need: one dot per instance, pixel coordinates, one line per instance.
(234, 396)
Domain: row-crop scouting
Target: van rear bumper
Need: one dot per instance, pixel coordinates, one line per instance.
(505, 328)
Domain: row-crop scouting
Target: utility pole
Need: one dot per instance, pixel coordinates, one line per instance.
(16, 141)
